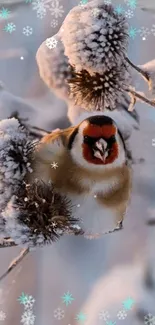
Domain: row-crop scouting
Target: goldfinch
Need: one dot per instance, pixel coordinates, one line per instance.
(88, 163)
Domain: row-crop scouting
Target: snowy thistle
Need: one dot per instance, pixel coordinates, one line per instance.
(38, 215)
(99, 91)
(95, 42)
(57, 70)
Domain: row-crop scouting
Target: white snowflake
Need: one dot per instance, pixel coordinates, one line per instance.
(41, 8)
(55, 9)
(153, 30)
(2, 315)
(54, 23)
(28, 318)
(59, 313)
(29, 302)
(27, 30)
(95, 12)
(149, 320)
(122, 314)
(129, 13)
(144, 32)
(54, 165)
(104, 315)
(107, 2)
(51, 42)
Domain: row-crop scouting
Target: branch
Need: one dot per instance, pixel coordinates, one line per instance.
(15, 262)
(139, 70)
(140, 97)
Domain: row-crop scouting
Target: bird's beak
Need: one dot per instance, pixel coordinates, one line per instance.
(100, 149)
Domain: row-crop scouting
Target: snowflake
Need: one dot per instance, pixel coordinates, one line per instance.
(153, 30)
(51, 42)
(119, 9)
(107, 2)
(149, 320)
(10, 27)
(132, 4)
(54, 23)
(81, 317)
(83, 3)
(128, 303)
(110, 323)
(27, 30)
(95, 12)
(23, 298)
(2, 315)
(40, 7)
(129, 14)
(54, 165)
(104, 315)
(28, 318)
(132, 32)
(29, 303)
(122, 314)
(153, 142)
(59, 313)
(28, 1)
(56, 9)
(67, 298)
(144, 32)
(4, 13)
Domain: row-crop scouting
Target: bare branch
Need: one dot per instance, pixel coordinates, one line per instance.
(140, 97)
(15, 262)
(139, 70)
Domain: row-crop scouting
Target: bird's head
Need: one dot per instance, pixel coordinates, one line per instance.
(97, 142)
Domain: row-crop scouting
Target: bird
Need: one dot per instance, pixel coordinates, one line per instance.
(88, 163)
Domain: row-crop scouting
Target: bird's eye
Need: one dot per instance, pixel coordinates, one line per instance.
(86, 139)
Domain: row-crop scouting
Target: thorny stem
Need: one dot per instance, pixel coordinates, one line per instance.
(15, 262)
(139, 96)
(142, 72)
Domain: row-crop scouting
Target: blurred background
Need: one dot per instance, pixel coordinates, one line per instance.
(100, 274)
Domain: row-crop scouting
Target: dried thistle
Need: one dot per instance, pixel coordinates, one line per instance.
(95, 42)
(99, 91)
(38, 215)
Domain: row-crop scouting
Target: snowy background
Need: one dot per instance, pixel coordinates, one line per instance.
(100, 274)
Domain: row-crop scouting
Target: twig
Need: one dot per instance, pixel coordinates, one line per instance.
(142, 98)
(15, 262)
(139, 70)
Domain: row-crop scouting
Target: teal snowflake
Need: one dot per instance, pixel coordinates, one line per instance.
(67, 298)
(128, 303)
(132, 4)
(119, 9)
(132, 32)
(110, 323)
(23, 298)
(28, 1)
(4, 13)
(9, 28)
(81, 317)
(84, 2)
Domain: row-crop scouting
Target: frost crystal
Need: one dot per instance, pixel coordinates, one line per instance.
(28, 318)
(149, 320)
(51, 43)
(27, 30)
(59, 313)
(122, 314)
(95, 41)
